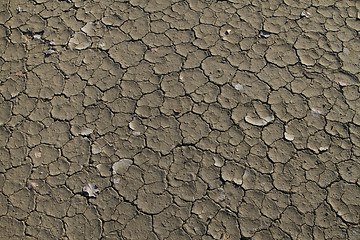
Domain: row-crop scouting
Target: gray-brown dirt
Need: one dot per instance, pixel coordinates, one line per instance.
(173, 119)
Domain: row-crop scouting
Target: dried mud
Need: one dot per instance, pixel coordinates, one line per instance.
(171, 119)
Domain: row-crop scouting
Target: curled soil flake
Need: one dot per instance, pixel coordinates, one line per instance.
(121, 166)
(342, 83)
(88, 28)
(289, 136)
(177, 111)
(32, 185)
(79, 41)
(315, 112)
(37, 36)
(305, 14)
(264, 34)
(218, 162)
(95, 149)
(86, 131)
(239, 87)
(49, 52)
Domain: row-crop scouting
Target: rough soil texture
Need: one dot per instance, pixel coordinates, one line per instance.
(172, 119)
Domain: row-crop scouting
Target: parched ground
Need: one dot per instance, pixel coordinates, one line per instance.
(172, 119)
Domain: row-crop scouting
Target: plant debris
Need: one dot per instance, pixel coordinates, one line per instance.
(91, 190)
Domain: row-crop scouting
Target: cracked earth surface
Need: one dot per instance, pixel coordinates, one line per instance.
(170, 119)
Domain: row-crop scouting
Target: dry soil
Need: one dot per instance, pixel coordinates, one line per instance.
(172, 119)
